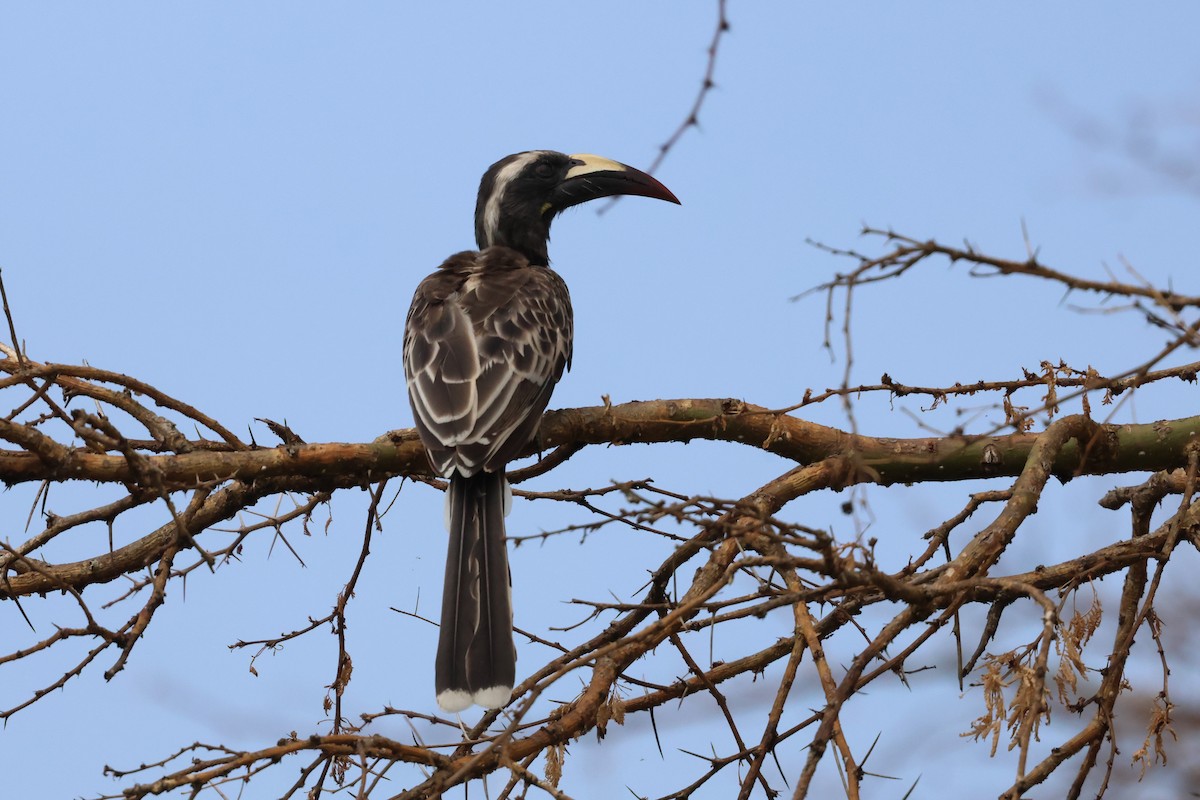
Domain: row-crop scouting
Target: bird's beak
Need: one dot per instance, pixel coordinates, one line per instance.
(591, 177)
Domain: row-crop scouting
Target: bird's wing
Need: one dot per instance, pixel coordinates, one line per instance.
(486, 339)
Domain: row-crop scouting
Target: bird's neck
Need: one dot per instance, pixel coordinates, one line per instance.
(528, 239)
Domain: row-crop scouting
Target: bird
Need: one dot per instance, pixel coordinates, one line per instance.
(487, 337)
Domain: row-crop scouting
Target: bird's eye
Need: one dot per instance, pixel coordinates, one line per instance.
(544, 170)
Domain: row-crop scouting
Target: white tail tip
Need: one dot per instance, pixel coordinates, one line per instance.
(453, 701)
(495, 697)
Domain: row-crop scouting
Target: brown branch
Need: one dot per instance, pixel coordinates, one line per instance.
(1155, 446)
(218, 506)
(717, 549)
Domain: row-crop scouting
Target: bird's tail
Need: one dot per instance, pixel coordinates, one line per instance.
(476, 659)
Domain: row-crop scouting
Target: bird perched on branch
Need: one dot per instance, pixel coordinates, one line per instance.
(487, 337)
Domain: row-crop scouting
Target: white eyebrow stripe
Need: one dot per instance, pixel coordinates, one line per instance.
(491, 211)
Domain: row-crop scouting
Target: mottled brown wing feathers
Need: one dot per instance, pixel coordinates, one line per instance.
(487, 337)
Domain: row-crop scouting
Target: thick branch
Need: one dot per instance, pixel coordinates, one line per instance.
(1125, 448)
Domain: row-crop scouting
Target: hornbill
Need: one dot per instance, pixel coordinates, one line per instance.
(487, 337)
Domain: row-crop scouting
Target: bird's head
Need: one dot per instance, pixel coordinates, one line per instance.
(520, 195)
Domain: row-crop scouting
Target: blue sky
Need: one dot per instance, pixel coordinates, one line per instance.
(234, 204)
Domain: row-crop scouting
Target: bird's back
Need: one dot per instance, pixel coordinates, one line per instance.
(487, 337)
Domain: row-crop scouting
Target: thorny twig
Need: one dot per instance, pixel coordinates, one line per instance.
(721, 567)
